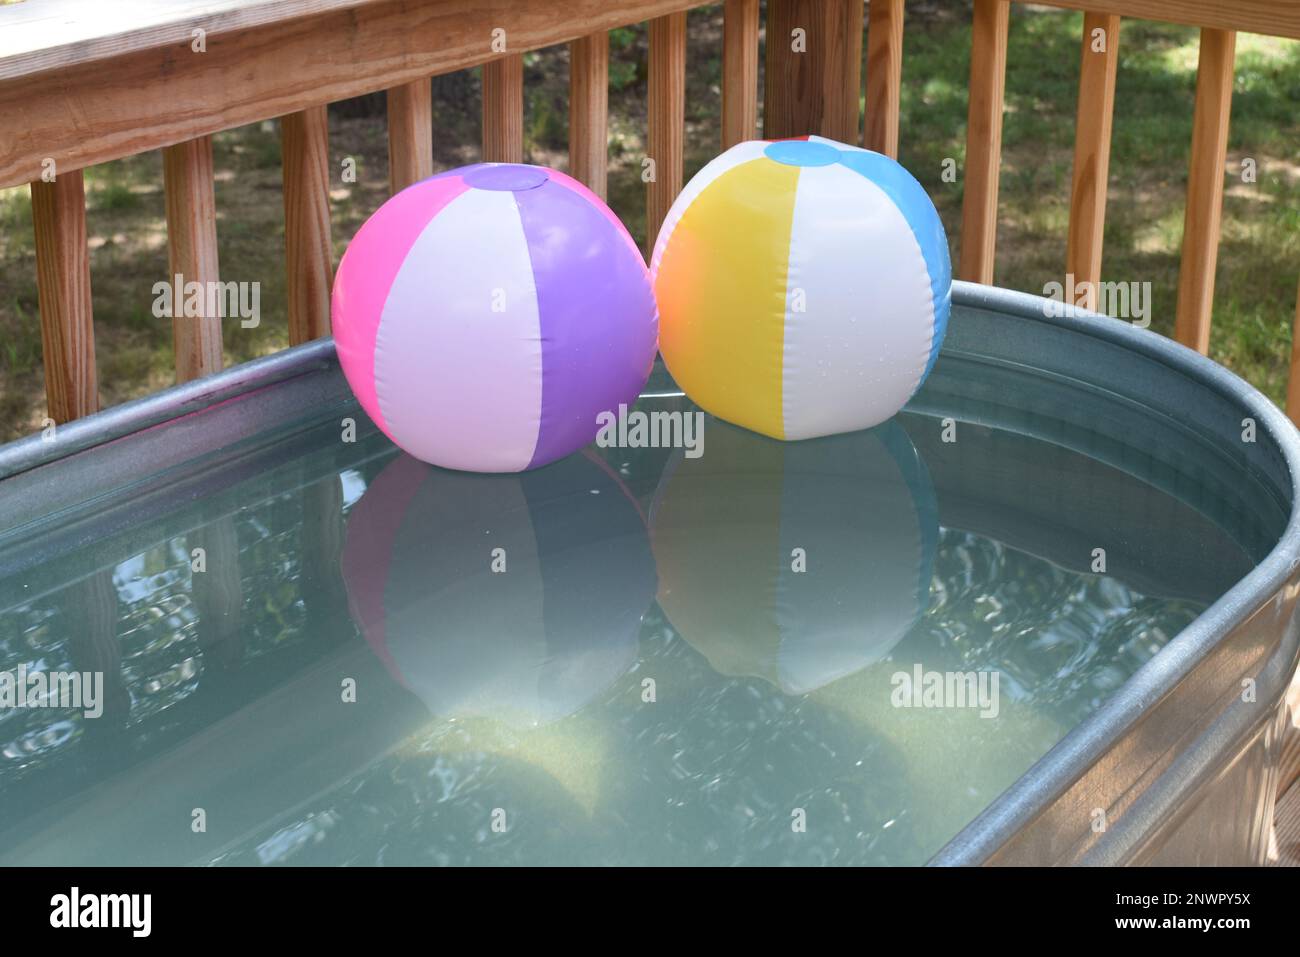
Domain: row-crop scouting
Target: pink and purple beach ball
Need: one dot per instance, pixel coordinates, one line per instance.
(486, 317)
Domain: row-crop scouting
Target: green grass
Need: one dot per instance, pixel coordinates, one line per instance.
(1258, 257)
(116, 198)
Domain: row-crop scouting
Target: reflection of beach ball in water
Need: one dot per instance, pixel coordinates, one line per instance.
(797, 563)
(487, 316)
(532, 641)
(803, 287)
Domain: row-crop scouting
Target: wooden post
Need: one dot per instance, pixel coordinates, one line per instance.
(814, 69)
(1205, 189)
(589, 111)
(988, 69)
(1092, 151)
(503, 110)
(739, 72)
(884, 76)
(667, 118)
(410, 134)
(192, 254)
(63, 288)
(792, 100)
(305, 150)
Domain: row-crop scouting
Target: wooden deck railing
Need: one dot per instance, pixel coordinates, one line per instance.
(74, 94)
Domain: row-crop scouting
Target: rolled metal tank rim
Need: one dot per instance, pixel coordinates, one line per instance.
(1085, 744)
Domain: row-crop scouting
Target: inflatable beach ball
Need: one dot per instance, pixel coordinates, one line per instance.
(796, 563)
(512, 597)
(485, 317)
(803, 287)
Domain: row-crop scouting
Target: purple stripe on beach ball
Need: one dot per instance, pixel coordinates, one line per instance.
(584, 277)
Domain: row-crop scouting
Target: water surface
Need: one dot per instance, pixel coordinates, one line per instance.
(630, 656)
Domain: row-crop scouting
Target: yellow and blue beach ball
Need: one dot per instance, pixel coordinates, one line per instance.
(803, 286)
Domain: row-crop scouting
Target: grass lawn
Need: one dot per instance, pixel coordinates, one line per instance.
(1258, 259)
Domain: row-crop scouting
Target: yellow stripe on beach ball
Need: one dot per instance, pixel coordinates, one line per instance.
(722, 292)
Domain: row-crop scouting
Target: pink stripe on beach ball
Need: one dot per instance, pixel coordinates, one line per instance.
(366, 273)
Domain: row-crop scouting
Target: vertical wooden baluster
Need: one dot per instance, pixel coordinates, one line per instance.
(305, 151)
(816, 90)
(192, 255)
(1293, 381)
(410, 134)
(667, 117)
(988, 69)
(884, 76)
(503, 110)
(789, 107)
(1205, 189)
(589, 111)
(739, 72)
(1092, 152)
(63, 289)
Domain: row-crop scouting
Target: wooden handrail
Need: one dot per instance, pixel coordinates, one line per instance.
(153, 96)
(100, 89)
(1275, 18)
